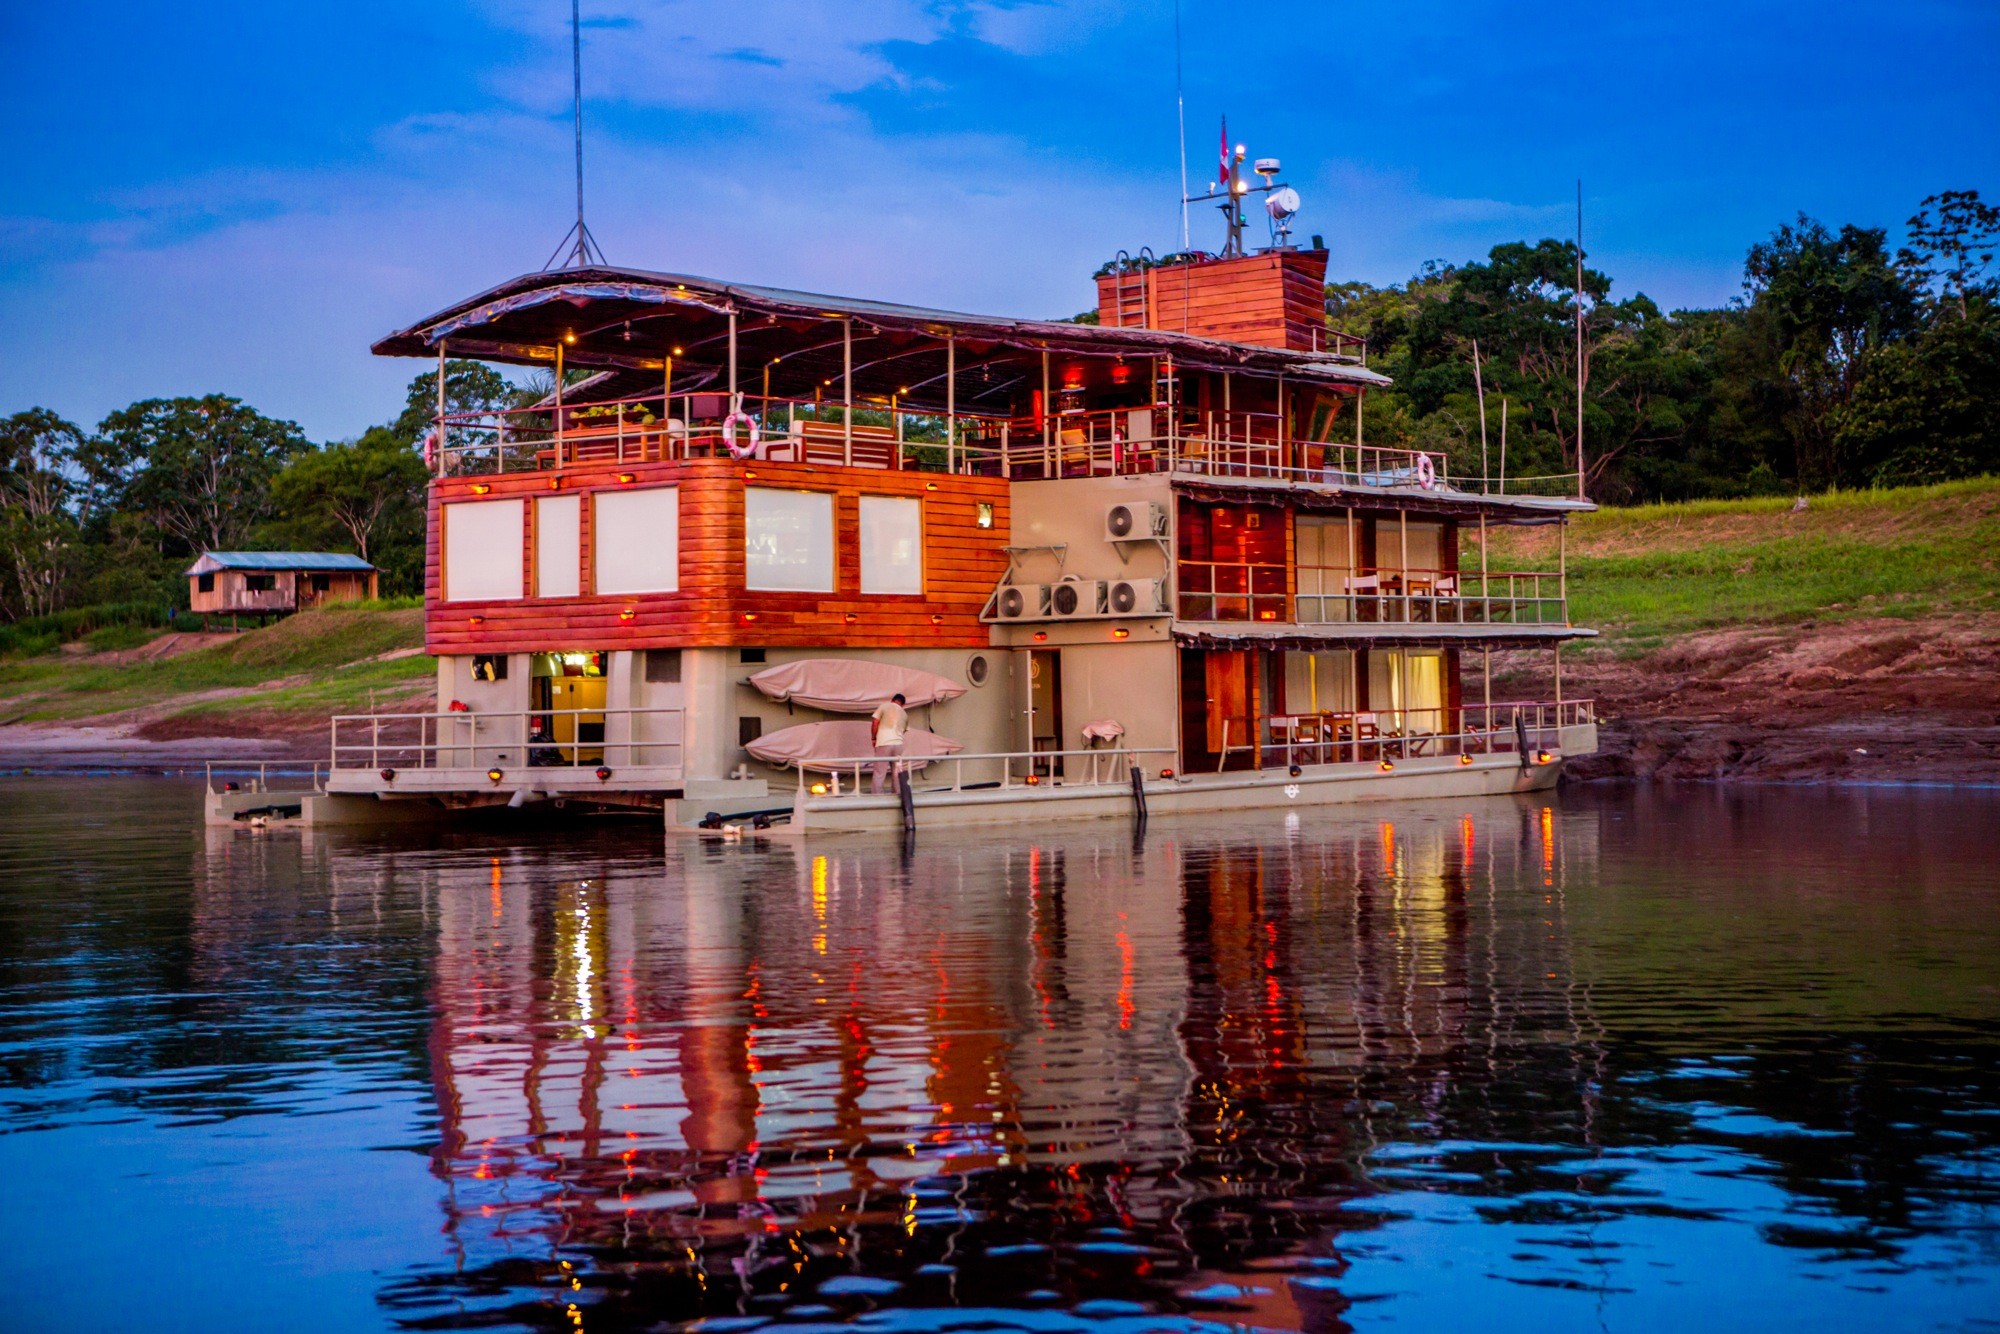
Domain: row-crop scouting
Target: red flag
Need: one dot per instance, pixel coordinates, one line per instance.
(1222, 177)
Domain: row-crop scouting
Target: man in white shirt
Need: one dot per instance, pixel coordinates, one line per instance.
(885, 734)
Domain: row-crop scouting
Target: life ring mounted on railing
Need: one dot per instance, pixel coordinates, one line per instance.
(1426, 472)
(750, 448)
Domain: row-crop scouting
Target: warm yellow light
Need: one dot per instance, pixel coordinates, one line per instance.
(481, 489)
(819, 789)
(627, 614)
(1121, 633)
(1465, 759)
(1385, 766)
(677, 352)
(937, 618)
(1543, 757)
(495, 775)
(930, 486)
(1034, 780)
(569, 338)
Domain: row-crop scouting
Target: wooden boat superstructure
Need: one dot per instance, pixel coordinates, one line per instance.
(1140, 545)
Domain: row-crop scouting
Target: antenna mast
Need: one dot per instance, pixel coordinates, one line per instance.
(1180, 111)
(1579, 340)
(583, 251)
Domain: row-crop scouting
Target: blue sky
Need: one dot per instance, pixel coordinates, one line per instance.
(239, 197)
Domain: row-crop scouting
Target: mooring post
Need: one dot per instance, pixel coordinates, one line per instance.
(909, 803)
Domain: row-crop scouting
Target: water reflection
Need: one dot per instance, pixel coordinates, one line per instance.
(1623, 1058)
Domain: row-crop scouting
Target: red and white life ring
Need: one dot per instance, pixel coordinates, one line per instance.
(1426, 472)
(749, 448)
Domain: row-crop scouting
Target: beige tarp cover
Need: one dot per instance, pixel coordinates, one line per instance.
(814, 745)
(851, 685)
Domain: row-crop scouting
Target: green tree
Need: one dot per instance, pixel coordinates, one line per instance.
(469, 387)
(1825, 301)
(1928, 409)
(352, 494)
(1952, 240)
(199, 469)
(38, 529)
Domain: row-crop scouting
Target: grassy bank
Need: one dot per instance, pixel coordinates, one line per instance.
(1646, 574)
(312, 664)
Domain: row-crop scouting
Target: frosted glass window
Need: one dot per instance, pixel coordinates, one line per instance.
(482, 550)
(558, 546)
(787, 540)
(636, 540)
(892, 545)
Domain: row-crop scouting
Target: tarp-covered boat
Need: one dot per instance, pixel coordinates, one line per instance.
(818, 745)
(852, 685)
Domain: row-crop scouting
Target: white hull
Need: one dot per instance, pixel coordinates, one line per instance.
(1319, 785)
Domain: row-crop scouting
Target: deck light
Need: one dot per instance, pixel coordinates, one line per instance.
(627, 614)
(555, 483)
(930, 486)
(628, 477)
(1166, 773)
(481, 489)
(1465, 759)
(603, 774)
(1385, 766)
(1295, 771)
(749, 475)
(818, 789)
(851, 618)
(569, 337)
(1543, 757)
(749, 616)
(937, 618)
(677, 352)
(1121, 633)
(495, 775)
(1034, 780)
(1041, 636)
(388, 775)
(475, 620)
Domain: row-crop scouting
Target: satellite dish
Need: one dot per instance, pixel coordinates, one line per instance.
(1282, 203)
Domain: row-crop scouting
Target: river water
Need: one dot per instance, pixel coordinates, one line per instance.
(1618, 1059)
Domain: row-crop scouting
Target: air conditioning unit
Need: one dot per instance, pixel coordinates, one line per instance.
(1136, 597)
(1135, 520)
(1075, 598)
(1021, 602)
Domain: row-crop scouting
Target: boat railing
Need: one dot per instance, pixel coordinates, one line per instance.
(1335, 594)
(227, 776)
(510, 743)
(1107, 766)
(1533, 727)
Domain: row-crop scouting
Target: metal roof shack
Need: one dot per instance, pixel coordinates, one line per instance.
(211, 561)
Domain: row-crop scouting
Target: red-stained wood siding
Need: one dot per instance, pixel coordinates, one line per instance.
(962, 562)
(1275, 300)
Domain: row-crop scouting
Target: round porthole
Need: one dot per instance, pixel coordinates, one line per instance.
(977, 669)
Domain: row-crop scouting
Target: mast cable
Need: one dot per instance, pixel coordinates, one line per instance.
(584, 252)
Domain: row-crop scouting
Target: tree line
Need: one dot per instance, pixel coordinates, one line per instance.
(1843, 363)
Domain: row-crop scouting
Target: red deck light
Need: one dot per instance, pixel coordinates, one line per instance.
(1166, 774)
(1121, 633)
(388, 775)
(475, 620)
(603, 774)
(1034, 780)
(1041, 636)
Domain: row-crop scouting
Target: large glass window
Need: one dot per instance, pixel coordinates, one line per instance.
(482, 550)
(635, 540)
(787, 540)
(892, 545)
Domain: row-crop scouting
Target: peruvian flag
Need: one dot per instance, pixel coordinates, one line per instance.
(1222, 173)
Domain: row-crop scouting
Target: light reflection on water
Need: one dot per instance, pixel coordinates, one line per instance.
(1625, 1059)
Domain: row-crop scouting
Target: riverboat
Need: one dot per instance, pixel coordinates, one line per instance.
(1149, 564)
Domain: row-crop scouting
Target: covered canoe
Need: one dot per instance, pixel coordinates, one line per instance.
(852, 685)
(819, 746)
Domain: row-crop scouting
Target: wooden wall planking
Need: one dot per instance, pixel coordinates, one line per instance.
(962, 562)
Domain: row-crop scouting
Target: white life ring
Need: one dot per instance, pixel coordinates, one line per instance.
(747, 450)
(1426, 472)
